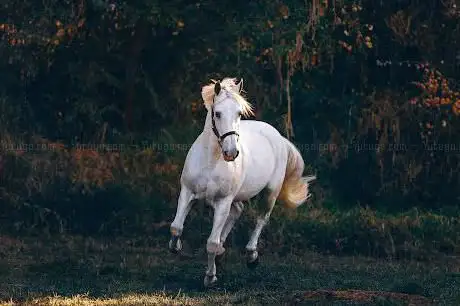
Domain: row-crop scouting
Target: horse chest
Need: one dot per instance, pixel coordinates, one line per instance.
(211, 184)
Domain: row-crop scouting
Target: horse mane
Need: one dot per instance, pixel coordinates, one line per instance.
(231, 86)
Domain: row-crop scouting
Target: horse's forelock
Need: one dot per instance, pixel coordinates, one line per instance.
(231, 86)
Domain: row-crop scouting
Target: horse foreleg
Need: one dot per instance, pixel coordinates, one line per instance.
(184, 204)
(262, 220)
(214, 246)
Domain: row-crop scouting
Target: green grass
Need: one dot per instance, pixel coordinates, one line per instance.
(86, 271)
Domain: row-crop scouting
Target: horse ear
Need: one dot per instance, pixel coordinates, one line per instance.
(239, 86)
(217, 88)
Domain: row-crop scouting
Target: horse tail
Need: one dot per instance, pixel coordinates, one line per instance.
(294, 191)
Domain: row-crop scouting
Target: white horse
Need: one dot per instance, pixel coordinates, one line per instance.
(232, 161)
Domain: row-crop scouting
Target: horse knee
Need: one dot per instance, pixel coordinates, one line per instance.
(214, 247)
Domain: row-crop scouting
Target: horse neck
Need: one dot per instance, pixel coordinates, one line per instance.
(210, 138)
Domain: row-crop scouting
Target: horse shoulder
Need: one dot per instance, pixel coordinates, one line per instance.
(194, 160)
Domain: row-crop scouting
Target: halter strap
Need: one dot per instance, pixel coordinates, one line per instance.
(220, 138)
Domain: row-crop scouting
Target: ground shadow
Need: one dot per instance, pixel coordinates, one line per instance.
(71, 266)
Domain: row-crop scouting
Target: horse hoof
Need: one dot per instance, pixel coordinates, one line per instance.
(175, 245)
(253, 264)
(253, 260)
(209, 281)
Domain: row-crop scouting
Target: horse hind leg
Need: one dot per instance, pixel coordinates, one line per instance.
(235, 213)
(213, 245)
(262, 220)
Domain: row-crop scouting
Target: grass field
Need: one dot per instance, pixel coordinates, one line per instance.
(86, 271)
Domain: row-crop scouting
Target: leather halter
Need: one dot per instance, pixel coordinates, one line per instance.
(220, 138)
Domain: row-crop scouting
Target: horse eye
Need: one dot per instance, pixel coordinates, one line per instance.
(217, 115)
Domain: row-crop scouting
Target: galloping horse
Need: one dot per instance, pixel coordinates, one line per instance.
(232, 161)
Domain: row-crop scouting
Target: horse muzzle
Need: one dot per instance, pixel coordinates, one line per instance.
(230, 155)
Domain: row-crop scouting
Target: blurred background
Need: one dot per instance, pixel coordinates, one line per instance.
(100, 101)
